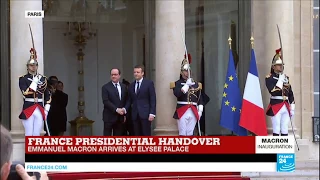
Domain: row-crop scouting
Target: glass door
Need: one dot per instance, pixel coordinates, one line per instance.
(208, 26)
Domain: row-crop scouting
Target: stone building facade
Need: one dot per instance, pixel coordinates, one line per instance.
(207, 25)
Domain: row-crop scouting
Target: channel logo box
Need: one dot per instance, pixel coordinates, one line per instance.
(286, 163)
(275, 144)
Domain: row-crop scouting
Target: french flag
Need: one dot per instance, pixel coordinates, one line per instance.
(252, 115)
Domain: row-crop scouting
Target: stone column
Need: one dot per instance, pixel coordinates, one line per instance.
(169, 54)
(20, 42)
(265, 17)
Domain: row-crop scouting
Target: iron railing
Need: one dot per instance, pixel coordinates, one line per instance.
(316, 129)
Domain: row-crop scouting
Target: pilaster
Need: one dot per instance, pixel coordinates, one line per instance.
(169, 52)
(266, 15)
(5, 64)
(20, 44)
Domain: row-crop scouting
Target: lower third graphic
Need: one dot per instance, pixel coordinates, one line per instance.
(286, 163)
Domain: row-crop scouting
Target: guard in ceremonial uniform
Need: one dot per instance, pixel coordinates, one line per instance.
(189, 100)
(282, 105)
(36, 96)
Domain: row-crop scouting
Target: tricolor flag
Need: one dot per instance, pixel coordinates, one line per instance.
(252, 115)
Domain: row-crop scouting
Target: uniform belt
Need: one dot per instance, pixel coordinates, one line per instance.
(33, 100)
(279, 97)
(183, 102)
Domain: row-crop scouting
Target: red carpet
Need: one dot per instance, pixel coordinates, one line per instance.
(149, 176)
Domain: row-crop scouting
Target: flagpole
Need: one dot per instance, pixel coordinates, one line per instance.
(229, 40)
(252, 39)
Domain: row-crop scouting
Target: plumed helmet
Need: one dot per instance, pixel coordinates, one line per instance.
(33, 57)
(185, 65)
(277, 58)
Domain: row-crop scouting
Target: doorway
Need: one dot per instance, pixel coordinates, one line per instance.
(122, 33)
(208, 25)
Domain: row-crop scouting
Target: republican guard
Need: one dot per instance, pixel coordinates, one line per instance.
(282, 105)
(36, 96)
(189, 100)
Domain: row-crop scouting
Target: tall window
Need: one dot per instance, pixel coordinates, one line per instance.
(316, 56)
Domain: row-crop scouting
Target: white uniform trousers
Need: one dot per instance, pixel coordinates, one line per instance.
(33, 125)
(280, 122)
(187, 123)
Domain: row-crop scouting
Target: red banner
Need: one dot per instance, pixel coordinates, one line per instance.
(140, 145)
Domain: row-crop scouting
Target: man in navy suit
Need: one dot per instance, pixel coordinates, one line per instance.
(142, 100)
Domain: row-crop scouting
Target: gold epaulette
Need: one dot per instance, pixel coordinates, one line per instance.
(275, 89)
(267, 76)
(199, 85)
(172, 85)
(21, 76)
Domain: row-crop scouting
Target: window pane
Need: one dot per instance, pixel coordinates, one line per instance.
(316, 71)
(316, 28)
(315, 3)
(316, 105)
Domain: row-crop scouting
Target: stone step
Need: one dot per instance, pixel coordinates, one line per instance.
(291, 178)
(304, 170)
(310, 165)
(298, 173)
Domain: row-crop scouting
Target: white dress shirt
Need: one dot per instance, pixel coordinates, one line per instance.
(136, 85)
(118, 87)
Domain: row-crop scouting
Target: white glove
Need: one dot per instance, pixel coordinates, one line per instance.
(185, 88)
(47, 107)
(200, 114)
(200, 110)
(291, 113)
(36, 78)
(190, 82)
(34, 86)
(292, 107)
(280, 81)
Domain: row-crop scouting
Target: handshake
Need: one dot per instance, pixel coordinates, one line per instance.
(121, 111)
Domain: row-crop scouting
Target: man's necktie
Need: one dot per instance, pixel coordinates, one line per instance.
(116, 86)
(138, 87)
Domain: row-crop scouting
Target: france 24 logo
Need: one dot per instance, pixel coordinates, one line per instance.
(286, 162)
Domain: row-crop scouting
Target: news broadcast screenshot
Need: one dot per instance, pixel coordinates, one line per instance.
(159, 89)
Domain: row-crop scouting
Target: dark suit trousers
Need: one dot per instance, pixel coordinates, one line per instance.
(117, 127)
(141, 127)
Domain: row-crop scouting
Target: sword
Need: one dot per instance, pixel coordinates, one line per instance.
(33, 47)
(280, 42)
(294, 135)
(186, 53)
(31, 37)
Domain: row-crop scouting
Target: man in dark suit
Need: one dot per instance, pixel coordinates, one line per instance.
(57, 116)
(128, 124)
(142, 100)
(114, 98)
